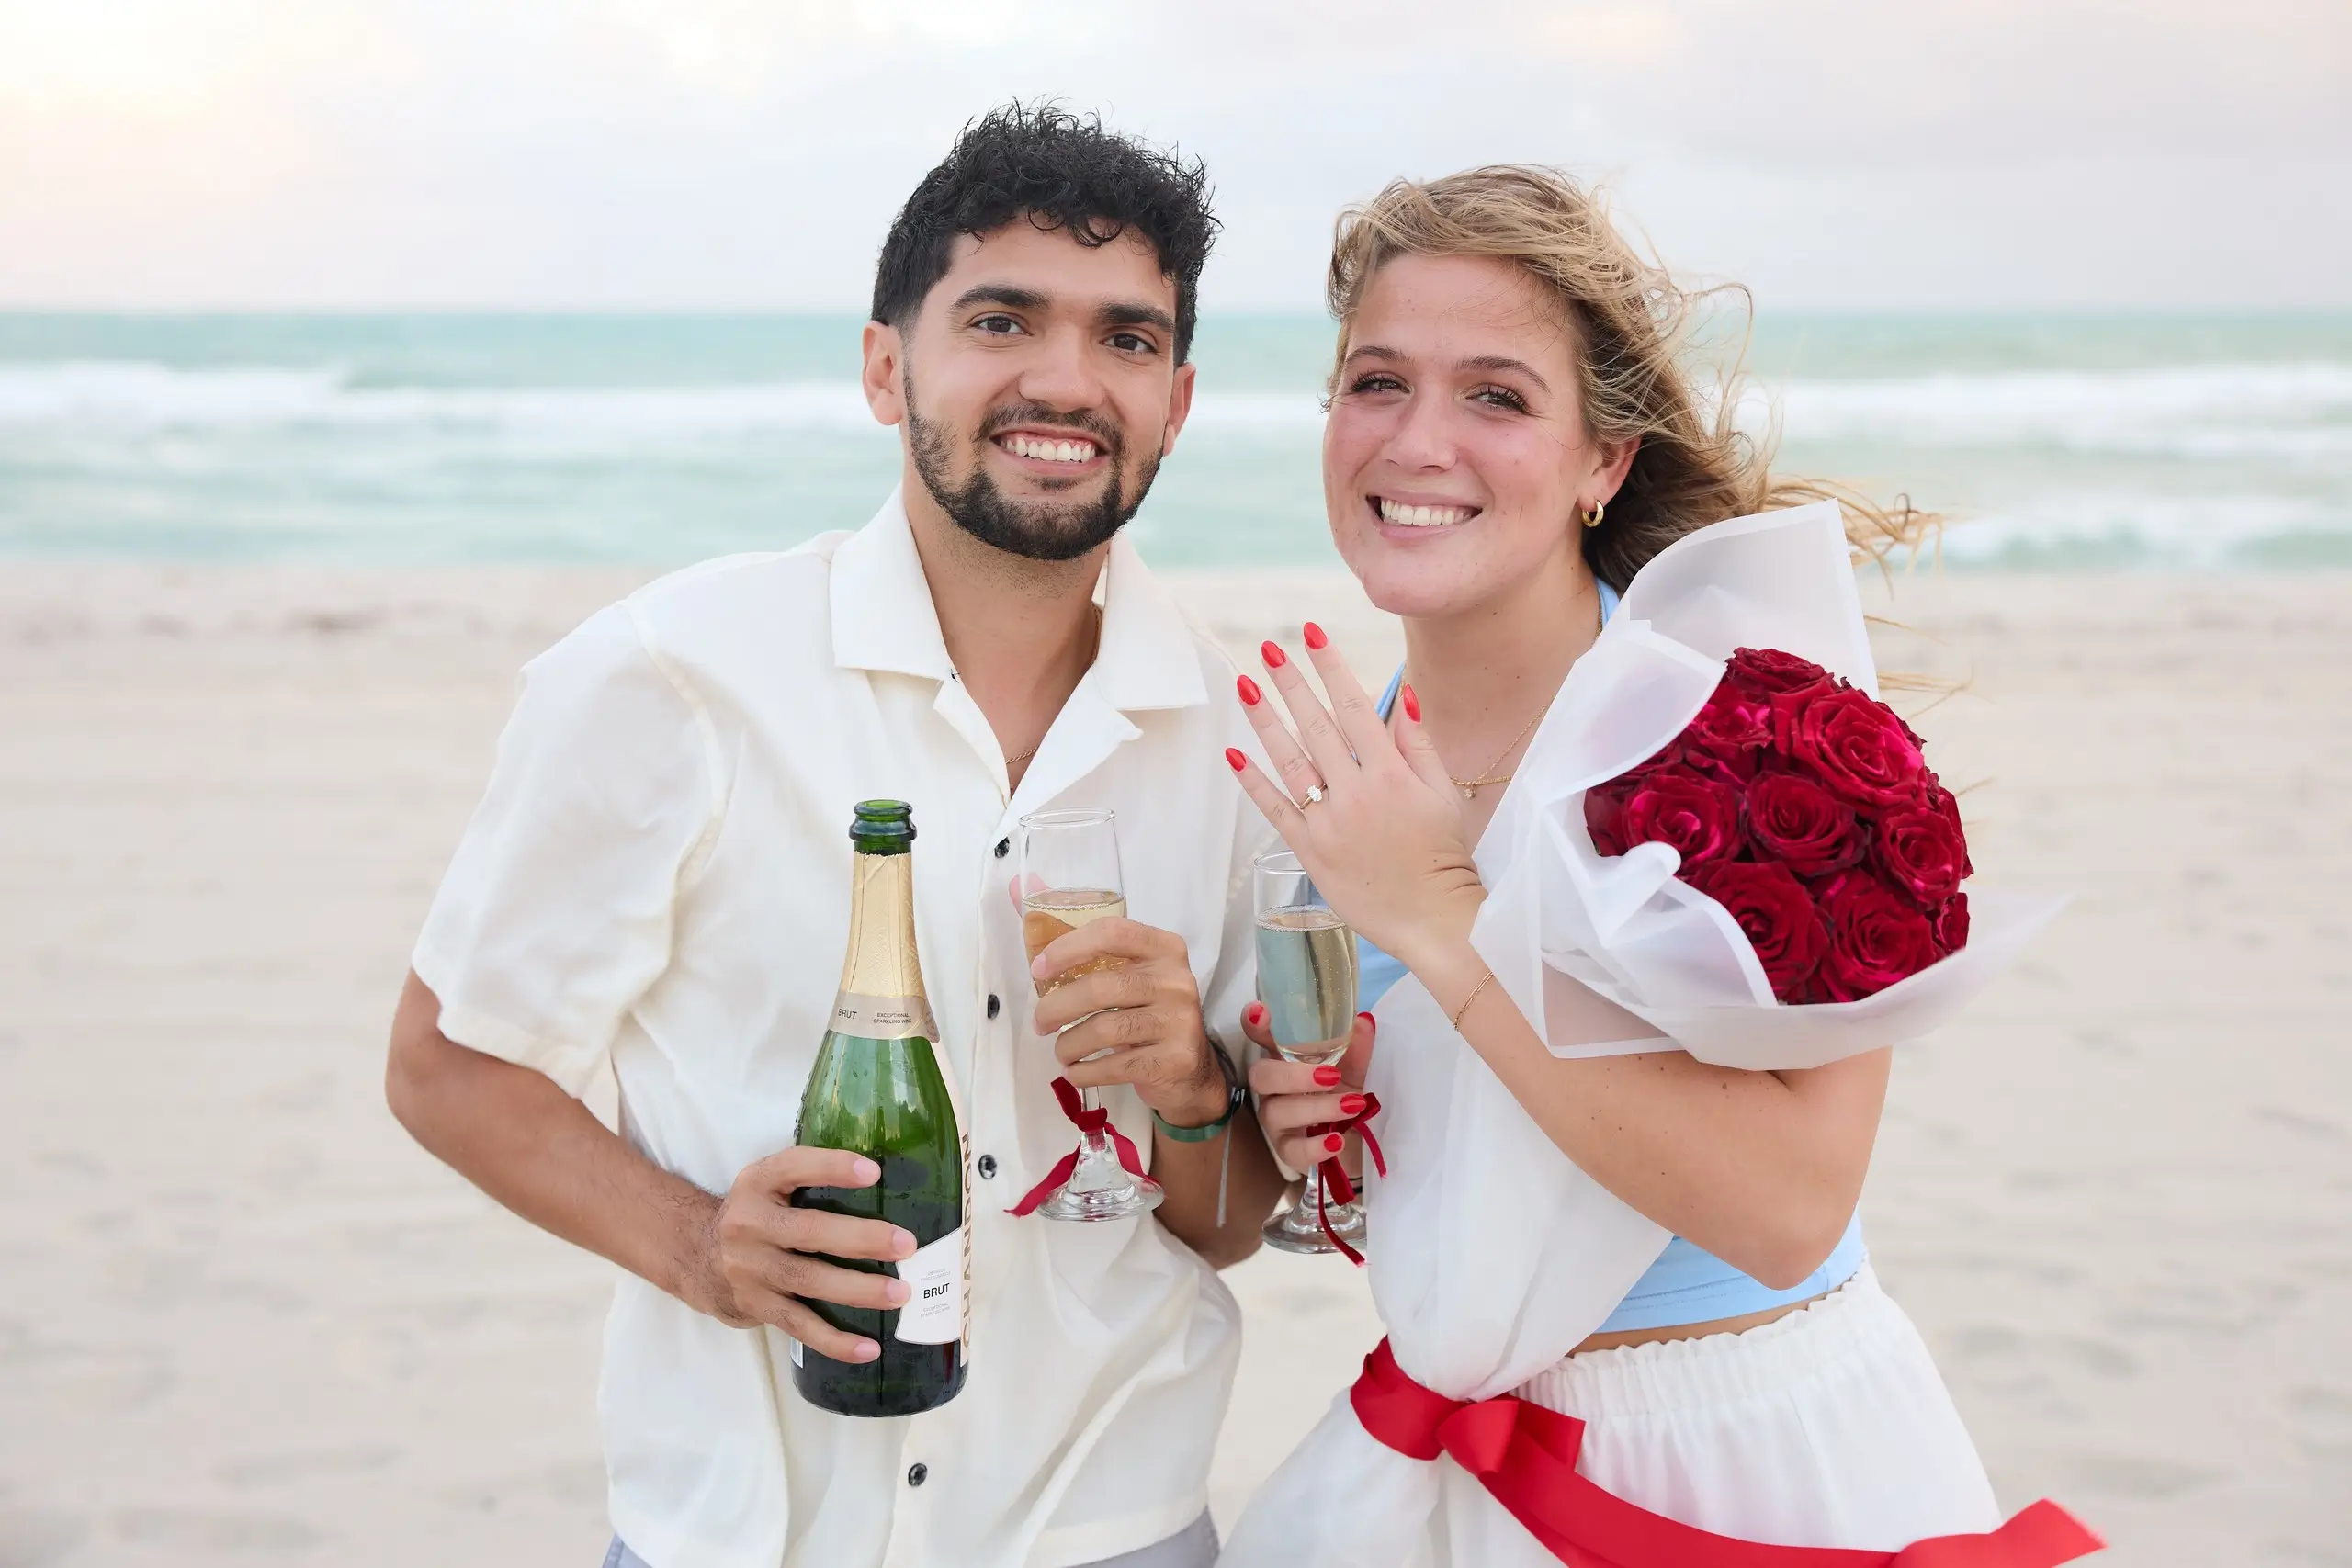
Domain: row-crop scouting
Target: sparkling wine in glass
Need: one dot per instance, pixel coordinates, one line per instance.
(1069, 878)
(1306, 977)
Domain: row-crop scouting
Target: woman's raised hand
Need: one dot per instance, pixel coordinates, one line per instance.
(1374, 820)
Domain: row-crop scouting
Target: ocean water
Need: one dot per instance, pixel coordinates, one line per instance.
(2061, 443)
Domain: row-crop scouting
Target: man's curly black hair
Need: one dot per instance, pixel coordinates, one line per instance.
(1059, 171)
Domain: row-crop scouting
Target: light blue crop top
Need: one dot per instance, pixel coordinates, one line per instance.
(1688, 1283)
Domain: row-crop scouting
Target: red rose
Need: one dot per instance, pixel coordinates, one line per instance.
(1779, 917)
(1733, 728)
(1707, 765)
(1940, 800)
(1605, 812)
(1676, 806)
(1876, 937)
(1796, 821)
(1767, 672)
(1921, 851)
(1854, 745)
(1952, 924)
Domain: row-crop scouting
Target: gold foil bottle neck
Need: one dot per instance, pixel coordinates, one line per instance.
(881, 993)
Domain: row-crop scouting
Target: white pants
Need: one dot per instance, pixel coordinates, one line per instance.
(1829, 1427)
(1195, 1546)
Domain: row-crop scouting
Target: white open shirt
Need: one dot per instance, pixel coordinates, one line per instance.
(658, 876)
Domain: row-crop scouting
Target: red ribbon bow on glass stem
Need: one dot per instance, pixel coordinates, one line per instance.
(1089, 1123)
(1332, 1184)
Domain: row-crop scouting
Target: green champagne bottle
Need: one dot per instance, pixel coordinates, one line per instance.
(878, 1088)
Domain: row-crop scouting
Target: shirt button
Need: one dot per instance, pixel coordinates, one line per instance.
(987, 1166)
(1003, 848)
(994, 1006)
(917, 1475)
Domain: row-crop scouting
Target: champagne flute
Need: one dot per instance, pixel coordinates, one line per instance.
(1070, 876)
(1307, 979)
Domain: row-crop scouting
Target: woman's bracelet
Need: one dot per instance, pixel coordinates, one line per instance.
(1484, 980)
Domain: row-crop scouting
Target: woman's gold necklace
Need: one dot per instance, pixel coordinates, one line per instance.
(1470, 787)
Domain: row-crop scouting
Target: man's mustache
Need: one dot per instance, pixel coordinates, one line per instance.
(1103, 431)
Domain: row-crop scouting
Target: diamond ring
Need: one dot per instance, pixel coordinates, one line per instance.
(1314, 797)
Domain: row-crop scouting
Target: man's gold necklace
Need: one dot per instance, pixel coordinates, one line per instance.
(1013, 762)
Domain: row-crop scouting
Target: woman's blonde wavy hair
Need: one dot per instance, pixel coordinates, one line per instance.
(1641, 373)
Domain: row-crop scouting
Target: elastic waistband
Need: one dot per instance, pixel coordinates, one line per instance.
(1855, 1321)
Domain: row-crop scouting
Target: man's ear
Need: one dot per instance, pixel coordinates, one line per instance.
(1180, 406)
(884, 359)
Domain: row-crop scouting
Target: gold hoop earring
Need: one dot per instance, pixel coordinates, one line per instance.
(1592, 518)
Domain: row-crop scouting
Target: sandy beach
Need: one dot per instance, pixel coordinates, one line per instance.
(244, 1320)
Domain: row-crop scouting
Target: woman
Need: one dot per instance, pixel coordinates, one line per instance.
(1511, 437)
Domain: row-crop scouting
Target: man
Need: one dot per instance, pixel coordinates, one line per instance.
(658, 876)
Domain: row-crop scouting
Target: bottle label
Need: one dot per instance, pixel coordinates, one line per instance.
(883, 1018)
(934, 1314)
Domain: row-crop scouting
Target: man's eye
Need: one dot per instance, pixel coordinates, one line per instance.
(1000, 326)
(1133, 343)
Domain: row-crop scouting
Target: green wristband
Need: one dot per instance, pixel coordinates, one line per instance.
(1235, 1095)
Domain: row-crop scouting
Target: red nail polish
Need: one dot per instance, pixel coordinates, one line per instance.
(1412, 704)
(1254, 1014)
(1248, 690)
(1370, 1023)
(1333, 1143)
(1273, 655)
(1236, 759)
(1315, 638)
(1351, 1105)
(1327, 1078)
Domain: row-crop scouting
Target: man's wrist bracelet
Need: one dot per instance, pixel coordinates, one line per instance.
(1234, 1095)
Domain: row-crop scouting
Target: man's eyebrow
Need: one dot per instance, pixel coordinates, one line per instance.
(1125, 313)
(1003, 294)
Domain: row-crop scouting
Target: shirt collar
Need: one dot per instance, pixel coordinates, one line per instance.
(884, 619)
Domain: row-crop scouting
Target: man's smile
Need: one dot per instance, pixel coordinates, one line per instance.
(1060, 453)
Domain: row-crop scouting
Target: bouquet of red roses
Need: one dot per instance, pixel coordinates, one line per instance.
(1805, 808)
(1720, 833)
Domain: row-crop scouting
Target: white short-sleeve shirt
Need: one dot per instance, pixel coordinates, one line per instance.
(658, 878)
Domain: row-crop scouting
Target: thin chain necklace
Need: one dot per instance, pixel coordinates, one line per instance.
(1470, 787)
(1013, 762)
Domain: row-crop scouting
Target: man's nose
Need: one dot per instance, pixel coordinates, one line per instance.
(1060, 373)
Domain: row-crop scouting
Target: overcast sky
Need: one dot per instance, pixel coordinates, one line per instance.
(712, 155)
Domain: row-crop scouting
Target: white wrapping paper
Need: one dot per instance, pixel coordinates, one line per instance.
(1491, 1255)
(1623, 925)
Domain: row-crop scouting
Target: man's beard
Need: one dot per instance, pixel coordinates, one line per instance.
(1032, 530)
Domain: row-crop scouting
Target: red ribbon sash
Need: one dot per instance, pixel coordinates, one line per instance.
(1526, 1457)
(1089, 1123)
(1332, 1184)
